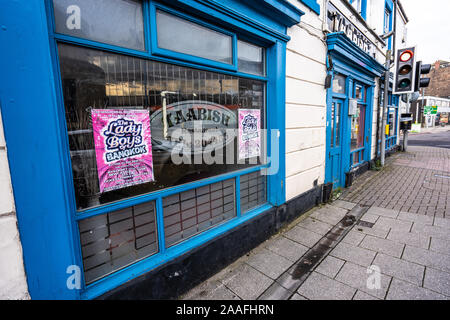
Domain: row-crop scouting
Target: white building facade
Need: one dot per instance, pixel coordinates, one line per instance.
(333, 128)
(431, 111)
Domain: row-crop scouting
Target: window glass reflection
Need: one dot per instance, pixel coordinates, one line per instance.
(117, 22)
(392, 121)
(358, 128)
(250, 58)
(359, 92)
(175, 97)
(183, 36)
(339, 83)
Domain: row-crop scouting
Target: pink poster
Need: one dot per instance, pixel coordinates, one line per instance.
(123, 148)
(249, 133)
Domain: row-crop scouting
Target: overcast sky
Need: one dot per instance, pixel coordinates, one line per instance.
(429, 28)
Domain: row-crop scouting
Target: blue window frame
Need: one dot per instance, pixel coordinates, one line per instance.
(347, 59)
(354, 130)
(391, 130)
(164, 245)
(312, 4)
(78, 18)
(391, 122)
(51, 243)
(358, 143)
(360, 6)
(155, 9)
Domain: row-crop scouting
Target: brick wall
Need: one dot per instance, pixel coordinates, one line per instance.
(440, 80)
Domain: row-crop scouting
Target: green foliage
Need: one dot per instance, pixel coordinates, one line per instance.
(336, 193)
(377, 166)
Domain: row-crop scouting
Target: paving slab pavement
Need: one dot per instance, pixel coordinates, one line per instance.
(386, 253)
(416, 182)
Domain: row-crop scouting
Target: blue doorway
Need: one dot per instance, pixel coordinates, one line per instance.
(350, 107)
(348, 129)
(334, 141)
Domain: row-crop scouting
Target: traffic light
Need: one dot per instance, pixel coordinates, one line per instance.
(421, 69)
(404, 71)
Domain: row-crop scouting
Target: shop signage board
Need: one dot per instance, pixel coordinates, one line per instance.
(434, 110)
(338, 22)
(429, 110)
(123, 147)
(249, 133)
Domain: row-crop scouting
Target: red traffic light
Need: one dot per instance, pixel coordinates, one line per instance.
(404, 70)
(406, 55)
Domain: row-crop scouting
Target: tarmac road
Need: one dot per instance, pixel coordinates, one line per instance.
(430, 139)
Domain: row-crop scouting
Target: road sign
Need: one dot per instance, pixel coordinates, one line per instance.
(429, 110)
(434, 110)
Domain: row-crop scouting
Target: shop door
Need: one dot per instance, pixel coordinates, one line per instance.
(334, 145)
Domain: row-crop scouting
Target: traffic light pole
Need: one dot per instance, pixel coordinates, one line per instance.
(405, 132)
(385, 102)
(386, 89)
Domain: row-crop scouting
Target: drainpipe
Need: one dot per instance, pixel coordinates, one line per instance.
(405, 132)
(377, 148)
(394, 29)
(325, 15)
(386, 87)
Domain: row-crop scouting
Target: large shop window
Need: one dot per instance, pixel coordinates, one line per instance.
(358, 120)
(391, 121)
(181, 103)
(157, 148)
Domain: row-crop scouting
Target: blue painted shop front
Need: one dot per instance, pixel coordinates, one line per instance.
(51, 68)
(349, 123)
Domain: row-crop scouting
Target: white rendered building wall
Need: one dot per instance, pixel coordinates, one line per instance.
(13, 283)
(305, 103)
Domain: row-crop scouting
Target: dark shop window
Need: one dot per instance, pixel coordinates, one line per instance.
(175, 97)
